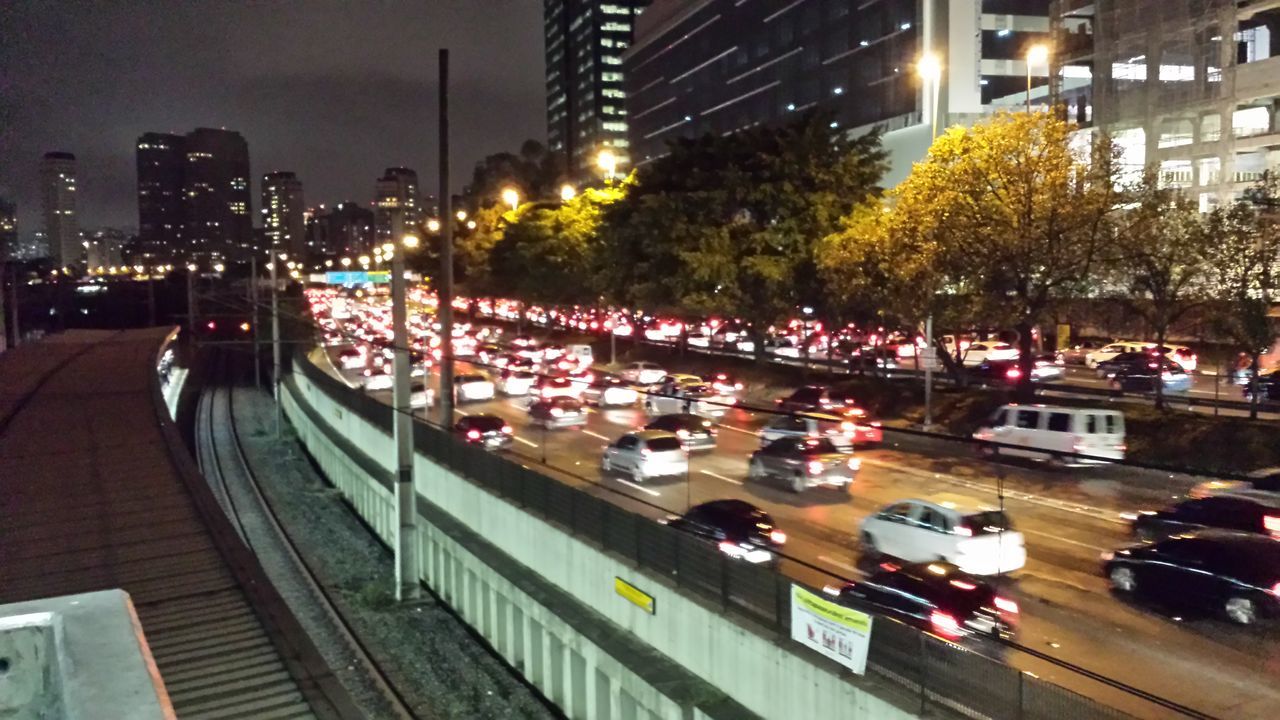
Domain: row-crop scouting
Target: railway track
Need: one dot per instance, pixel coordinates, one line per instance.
(237, 488)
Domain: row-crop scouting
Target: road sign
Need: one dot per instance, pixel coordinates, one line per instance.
(842, 634)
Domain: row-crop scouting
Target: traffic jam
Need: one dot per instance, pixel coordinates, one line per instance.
(809, 474)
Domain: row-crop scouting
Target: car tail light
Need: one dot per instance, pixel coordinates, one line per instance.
(847, 426)
(646, 451)
(1013, 373)
(1272, 524)
(964, 531)
(473, 434)
(944, 624)
(816, 467)
(1006, 605)
(778, 537)
(890, 567)
(728, 548)
(737, 386)
(556, 412)
(506, 429)
(1275, 589)
(682, 434)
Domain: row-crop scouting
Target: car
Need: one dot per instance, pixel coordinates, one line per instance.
(352, 358)
(516, 383)
(1109, 351)
(1107, 369)
(695, 432)
(378, 379)
(558, 412)
(1261, 484)
(807, 398)
(1064, 435)
(1075, 354)
(782, 347)
(421, 396)
(1268, 387)
(843, 432)
(1142, 377)
(1231, 573)
(995, 373)
(610, 391)
(982, 350)
(978, 539)
(547, 387)
(472, 387)
(738, 528)
(726, 385)
(1182, 355)
(803, 463)
(679, 380)
(696, 399)
(489, 431)
(936, 597)
(642, 373)
(1223, 512)
(646, 454)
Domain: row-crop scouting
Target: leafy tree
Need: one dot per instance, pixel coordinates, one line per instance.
(534, 171)
(1245, 259)
(1015, 216)
(1159, 260)
(727, 225)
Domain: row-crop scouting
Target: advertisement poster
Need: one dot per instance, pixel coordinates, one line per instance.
(842, 634)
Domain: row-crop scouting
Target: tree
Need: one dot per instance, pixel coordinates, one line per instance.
(727, 225)
(1015, 215)
(535, 172)
(1159, 259)
(1244, 256)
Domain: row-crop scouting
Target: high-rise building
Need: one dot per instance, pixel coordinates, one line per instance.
(284, 212)
(161, 161)
(397, 188)
(104, 248)
(58, 193)
(717, 66)
(345, 230)
(586, 108)
(1189, 89)
(9, 249)
(217, 217)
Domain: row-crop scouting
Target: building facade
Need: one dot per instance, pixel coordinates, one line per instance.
(586, 108)
(104, 249)
(58, 196)
(344, 230)
(161, 161)
(1189, 88)
(716, 66)
(218, 206)
(397, 190)
(9, 249)
(284, 212)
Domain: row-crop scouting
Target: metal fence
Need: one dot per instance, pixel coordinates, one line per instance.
(941, 674)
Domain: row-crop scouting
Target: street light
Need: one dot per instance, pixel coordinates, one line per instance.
(567, 192)
(1037, 54)
(219, 267)
(462, 215)
(346, 262)
(608, 162)
(433, 225)
(929, 68)
(410, 241)
(510, 196)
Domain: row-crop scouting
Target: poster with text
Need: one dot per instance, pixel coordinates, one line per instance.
(842, 634)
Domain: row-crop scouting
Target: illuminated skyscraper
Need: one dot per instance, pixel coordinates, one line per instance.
(284, 212)
(58, 193)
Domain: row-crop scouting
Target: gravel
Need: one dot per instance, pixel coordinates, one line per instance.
(430, 656)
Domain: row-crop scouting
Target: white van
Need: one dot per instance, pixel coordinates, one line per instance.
(581, 354)
(1044, 431)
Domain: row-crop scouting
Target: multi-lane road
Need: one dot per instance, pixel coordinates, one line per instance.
(1068, 518)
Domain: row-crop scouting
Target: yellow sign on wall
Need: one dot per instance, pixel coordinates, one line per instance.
(635, 595)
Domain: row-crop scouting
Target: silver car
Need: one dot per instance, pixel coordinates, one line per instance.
(646, 454)
(803, 463)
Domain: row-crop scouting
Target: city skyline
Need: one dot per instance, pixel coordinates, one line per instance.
(312, 108)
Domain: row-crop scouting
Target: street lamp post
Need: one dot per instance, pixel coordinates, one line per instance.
(511, 196)
(253, 303)
(1036, 55)
(930, 70)
(275, 336)
(191, 303)
(608, 162)
(407, 587)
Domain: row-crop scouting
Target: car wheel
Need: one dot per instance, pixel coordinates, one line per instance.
(755, 471)
(869, 546)
(1101, 373)
(797, 483)
(1241, 610)
(605, 464)
(1123, 579)
(637, 476)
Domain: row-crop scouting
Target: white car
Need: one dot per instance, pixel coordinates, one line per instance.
(1107, 352)
(472, 387)
(516, 383)
(642, 373)
(978, 540)
(646, 454)
(421, 396)
(983, 350)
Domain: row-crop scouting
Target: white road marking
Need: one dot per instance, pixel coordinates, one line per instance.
(526, 442)
(1077, 543)
(738, 429)
(840, 564)
(721, 477)
(595, 435)
(628, 483)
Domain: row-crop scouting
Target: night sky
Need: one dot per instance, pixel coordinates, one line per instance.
(335, 91)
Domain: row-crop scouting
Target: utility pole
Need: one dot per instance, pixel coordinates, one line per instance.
(191, 303)
(151, 297)
(274, 265)
(13, 289)
(4, 335)
(445, 291)
(253, 318)
(407, 587)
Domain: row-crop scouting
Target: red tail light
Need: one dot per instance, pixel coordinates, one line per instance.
(473, 434)
(778, 537)
(964, 531)
(1013, 373)
(944, 624)
(816, 467)
(1006, 605)
(1275, 589)
(1272, 524)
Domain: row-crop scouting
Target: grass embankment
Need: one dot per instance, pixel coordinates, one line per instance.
(1177, 438)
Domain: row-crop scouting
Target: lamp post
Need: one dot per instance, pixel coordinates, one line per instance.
(275, 334)
(253, 303)
(407, 587)
(1036, 55)
(607, 162)
(191, 302)
(930, 70)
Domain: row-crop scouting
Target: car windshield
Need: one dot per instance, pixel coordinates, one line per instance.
(470, 378)
(662, 444)
(485, 423)
(987, 522)
(567, 403)
(818, 446)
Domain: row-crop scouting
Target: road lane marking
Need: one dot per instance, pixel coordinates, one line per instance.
(840, 564)
(526, 442)
(628, 483)
(1028, 531)
(595, 435)
(721, 477)
(737, 429)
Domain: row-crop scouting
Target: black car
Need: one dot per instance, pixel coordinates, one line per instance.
(1128, 359)
(738, 528)
(812, 398)
(695, 432)
(490, 431)
(1224, 512)
(995, 373)
(1268, 387)
(1143, 376)
(1232, 573)
(937, 597)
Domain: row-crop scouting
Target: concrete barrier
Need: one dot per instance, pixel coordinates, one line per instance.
(546, 600)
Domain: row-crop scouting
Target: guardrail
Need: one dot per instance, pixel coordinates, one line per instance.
(942, 674)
